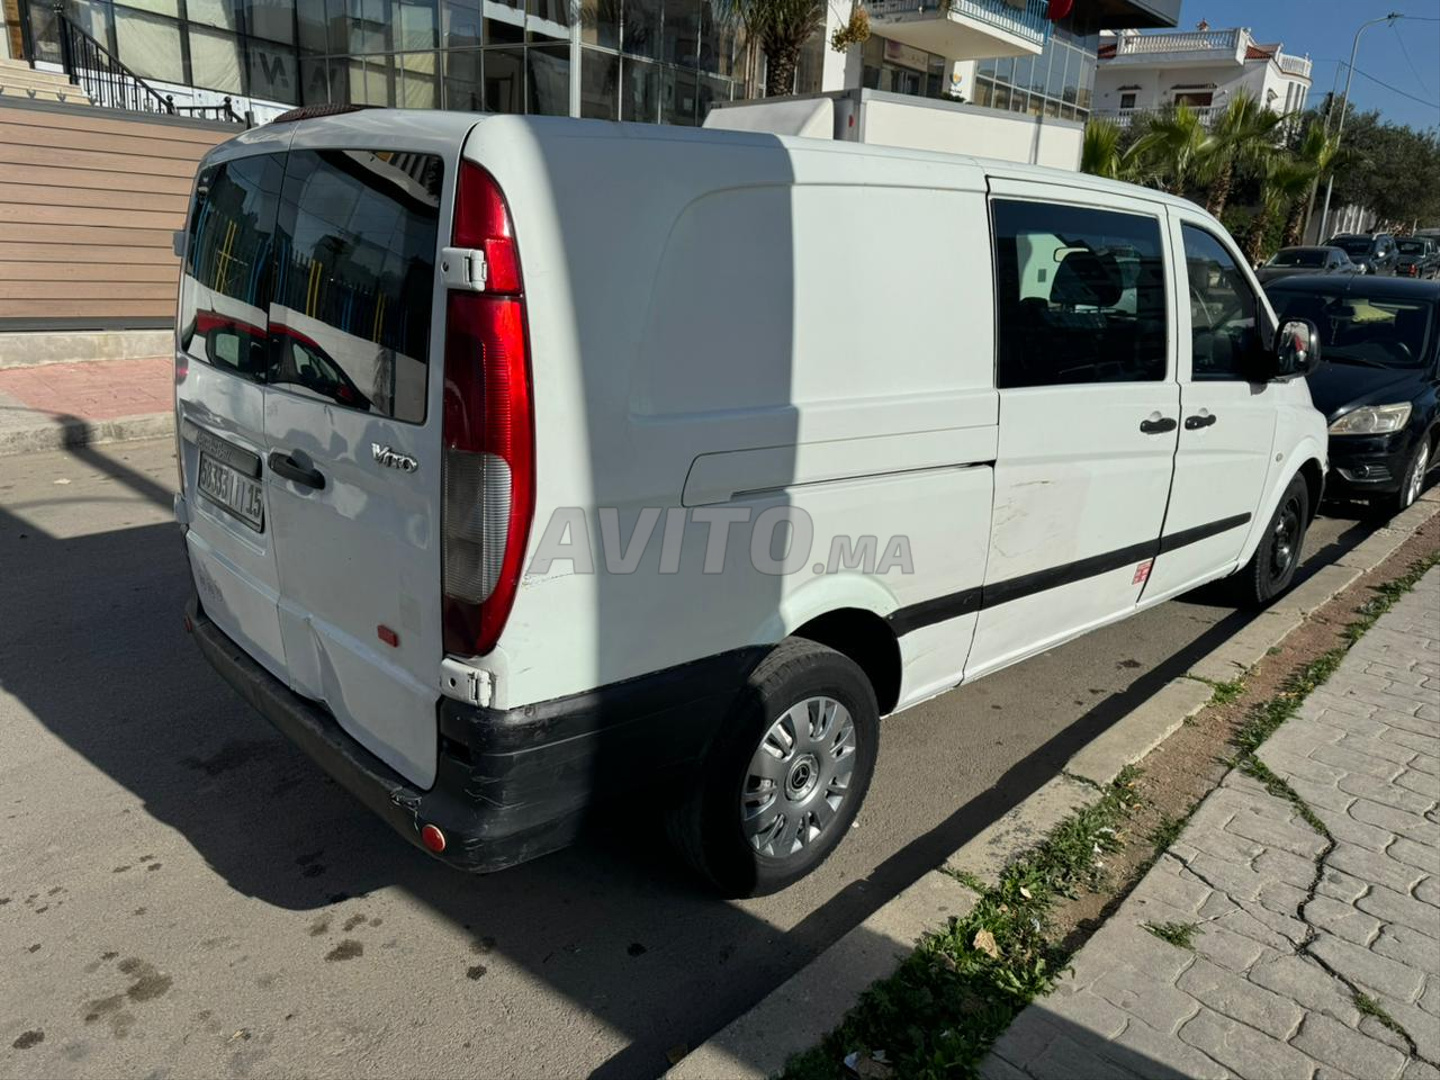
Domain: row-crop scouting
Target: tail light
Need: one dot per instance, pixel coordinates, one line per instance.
(488, 432)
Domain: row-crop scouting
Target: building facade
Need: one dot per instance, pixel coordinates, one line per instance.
(1139, 74)
(658, 61)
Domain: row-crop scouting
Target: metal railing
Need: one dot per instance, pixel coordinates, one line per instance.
(1125, 118)
(1028, 19)
(104, 79)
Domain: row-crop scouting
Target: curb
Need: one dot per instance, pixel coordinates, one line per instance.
(53, 436)
(815, 1000)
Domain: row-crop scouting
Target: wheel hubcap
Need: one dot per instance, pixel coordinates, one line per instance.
(799, 777)
(1287, 533)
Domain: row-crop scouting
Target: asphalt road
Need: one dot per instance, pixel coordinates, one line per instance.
(183, 893)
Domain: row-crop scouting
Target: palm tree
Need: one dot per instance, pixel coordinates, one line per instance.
(1282, 187)
(781, 27)
(1321, 152)
(1177, 146)
(1244, 137)
(1103, 153)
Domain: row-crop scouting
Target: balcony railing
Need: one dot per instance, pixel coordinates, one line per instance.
(1125, 118)
(1029, 20)
(1227, 41)
(1293, 65)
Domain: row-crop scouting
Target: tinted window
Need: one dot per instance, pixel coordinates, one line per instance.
(1364, 330)
(1411, 247)
(1223, 341)
(227, 280)
(1358, 245)
(350, 316)
(1081, 295)
(1298, 257)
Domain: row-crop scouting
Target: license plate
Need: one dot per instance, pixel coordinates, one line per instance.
(232, 491)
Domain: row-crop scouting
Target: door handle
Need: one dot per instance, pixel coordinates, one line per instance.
(282, 464)
(1158, 426)
(1192, 423)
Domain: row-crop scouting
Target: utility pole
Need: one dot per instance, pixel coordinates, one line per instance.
(1344, 105)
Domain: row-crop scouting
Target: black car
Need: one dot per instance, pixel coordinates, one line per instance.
(1306, 260)
(1377, 380)
(1419, 257)
(1375, 253)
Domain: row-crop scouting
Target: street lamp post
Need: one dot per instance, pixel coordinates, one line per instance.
(1344, 105)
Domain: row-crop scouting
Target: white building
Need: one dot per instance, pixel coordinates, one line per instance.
(1142, 73)
(1024, 70)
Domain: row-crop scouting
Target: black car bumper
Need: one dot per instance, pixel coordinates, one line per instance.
(1362, 466)
(515, 784)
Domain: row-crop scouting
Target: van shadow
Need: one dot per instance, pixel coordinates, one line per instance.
(611, 924)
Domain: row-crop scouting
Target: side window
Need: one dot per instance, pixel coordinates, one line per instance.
(350, 315)
(1081, 295)
(1222, 310)
(227, 277)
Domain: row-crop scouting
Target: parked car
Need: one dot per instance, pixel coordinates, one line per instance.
(1418, 257)
(1377, 387)
(555, 334)
(1306, 260)
(1375, 254)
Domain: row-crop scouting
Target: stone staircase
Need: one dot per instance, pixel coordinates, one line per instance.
(19, 80)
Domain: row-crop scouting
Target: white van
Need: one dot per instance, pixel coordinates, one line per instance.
(528, 464)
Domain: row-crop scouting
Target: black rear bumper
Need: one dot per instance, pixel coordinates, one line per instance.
(510, 785)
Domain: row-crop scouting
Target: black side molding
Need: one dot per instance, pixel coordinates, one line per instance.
(940, 608)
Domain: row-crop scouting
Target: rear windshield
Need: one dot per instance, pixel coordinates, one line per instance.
(1411, 247)
(314, 272)
(1376, 330)
(1355, 245)
(1298, 257)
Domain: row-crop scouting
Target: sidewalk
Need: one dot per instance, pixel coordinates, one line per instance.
(1307, 956)
(46, 406)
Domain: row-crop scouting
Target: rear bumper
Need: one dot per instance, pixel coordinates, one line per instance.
(510, 785)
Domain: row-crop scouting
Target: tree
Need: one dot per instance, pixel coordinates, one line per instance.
(1177, 146)
(1245, 136)
(1104, 153)
(1284, 184)
(781, 27)
(1320, 152)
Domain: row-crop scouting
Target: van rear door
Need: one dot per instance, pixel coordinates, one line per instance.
(220, 359)
(352, 426)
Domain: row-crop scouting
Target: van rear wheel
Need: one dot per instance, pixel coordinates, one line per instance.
(785, 776)
(1272, 567)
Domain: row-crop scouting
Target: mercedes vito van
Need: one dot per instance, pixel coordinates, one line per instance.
(531, 463)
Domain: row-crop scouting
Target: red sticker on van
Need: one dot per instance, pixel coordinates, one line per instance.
(1142, 572)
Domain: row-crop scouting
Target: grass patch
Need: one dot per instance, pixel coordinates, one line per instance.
(1368, 1006)
(1166, 833)
(1179, 934)
(1226, 692)
(941, 1010)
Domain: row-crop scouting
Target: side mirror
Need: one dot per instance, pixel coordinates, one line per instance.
(1297, 348)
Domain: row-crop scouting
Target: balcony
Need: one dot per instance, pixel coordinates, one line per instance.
(1126, 118)
(1193, 48)
(1293, 65)
(965, 29)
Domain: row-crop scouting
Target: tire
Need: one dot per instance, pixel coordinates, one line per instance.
(1272, 567)
(1412, 481)
(749, 834)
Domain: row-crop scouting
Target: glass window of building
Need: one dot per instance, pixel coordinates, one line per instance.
(1057, 83)
(649, 61)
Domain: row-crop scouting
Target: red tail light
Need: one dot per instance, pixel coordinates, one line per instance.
(489, 432)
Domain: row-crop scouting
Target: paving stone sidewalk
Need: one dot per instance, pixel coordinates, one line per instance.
(45, 406)
(1291, 929)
